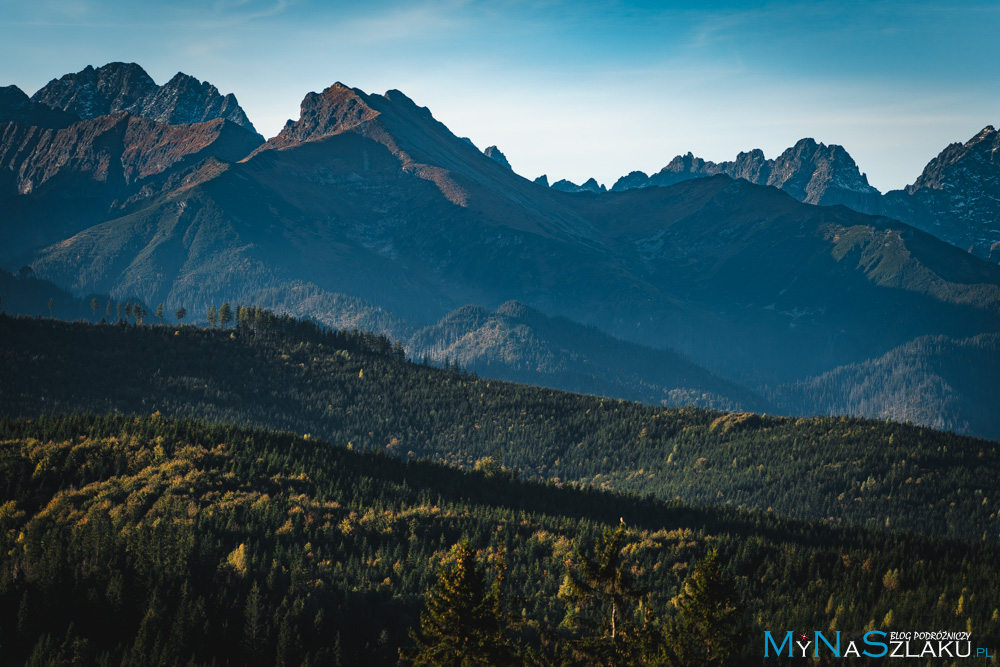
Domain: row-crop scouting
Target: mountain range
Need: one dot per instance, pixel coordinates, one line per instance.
(955, 198)
(737, 280)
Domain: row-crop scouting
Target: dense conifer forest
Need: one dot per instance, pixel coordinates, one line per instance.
(355, 389)
(150, 540)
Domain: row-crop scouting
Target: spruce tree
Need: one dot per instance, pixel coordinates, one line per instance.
(597, 589)
(464, 620)
(225, 314)
(708, 627)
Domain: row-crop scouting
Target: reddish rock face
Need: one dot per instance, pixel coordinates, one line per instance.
(117, 150)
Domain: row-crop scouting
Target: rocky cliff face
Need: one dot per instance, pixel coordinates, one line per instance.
(127, 87)
(116, 149)
(957, 197)
(493, 153)
(819, 174)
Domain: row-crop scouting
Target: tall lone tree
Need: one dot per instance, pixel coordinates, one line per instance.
(708, 628)
(464, 621)
(601, 606)
(225, 314)
(181, 313)
(597, 588)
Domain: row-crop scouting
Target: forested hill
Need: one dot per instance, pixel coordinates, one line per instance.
(356, 390)
(152, 541)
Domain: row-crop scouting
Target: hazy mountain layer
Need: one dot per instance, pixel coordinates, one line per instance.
(521, 344)
(936, 381)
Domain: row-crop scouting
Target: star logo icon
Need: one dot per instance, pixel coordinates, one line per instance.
(804, 636)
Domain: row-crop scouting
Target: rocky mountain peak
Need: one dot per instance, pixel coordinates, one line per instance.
(818, 174)
(985, 133)
(957, 196)
(117, 86)
(494, 153)
(337, 109)
(590, 185)
(632, 181)
(960, 165)
(401, 101)
(809, 171)
(185, 99)
(91, 92)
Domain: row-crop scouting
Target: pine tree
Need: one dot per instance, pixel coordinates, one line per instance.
(464, 620)
(225, 314)
(597, 589)
(94, 306)
(181, 313)
(254, 628)
(213, 316)
(708, 628)
(599, 593)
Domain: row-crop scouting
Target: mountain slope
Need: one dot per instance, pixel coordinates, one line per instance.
(61, 181)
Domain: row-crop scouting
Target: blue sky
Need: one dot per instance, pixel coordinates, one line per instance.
(570, 89)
